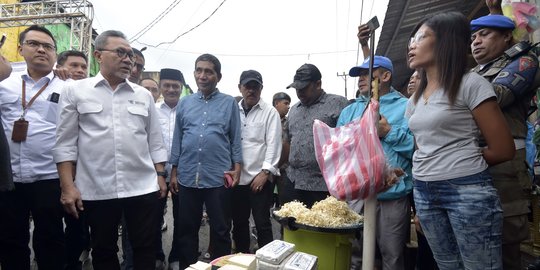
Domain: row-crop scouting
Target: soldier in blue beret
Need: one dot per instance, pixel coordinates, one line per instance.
(512, 69)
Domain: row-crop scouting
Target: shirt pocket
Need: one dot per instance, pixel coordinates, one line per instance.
(90, 116)
(137, 118)
(11, 107)
(52, 110)
(254, 132)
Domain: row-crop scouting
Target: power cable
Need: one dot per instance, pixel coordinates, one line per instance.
(186, 32)
(155, 21)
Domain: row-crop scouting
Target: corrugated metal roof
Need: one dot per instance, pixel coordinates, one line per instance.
(402, 16)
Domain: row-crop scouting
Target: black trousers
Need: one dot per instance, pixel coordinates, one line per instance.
(244, 203)
(190, 207)
(41, 199)
(285, 188)
(104, 217)
(77, 240)
(174, 253)
(310, 197)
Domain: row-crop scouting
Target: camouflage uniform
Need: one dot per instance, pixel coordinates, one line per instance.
(514, 78)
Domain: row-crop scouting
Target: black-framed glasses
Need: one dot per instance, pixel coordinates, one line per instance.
(139, 66)
(121, 53)
(36, 44)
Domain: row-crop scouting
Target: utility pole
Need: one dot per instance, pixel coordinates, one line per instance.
(344, 76)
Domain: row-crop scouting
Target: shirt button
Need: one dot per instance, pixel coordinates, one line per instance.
(203, 125)
(204, 112)
(200, 149)
(199, 163)
(201, 135)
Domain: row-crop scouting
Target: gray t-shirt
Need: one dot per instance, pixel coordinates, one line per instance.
(446, 135)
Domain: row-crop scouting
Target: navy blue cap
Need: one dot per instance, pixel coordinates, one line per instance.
(250, 75)
(492, 21)
(380, 61)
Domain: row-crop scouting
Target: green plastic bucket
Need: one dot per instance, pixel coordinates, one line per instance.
(333, 249)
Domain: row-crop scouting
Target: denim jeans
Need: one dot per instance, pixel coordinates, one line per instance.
(462, 221)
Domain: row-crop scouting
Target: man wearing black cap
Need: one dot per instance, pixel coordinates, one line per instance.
(314, 103)
(512, 69)
(261, 149)
(171, 82)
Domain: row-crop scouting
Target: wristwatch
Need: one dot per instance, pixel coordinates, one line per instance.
(265, 171)
(162, 173)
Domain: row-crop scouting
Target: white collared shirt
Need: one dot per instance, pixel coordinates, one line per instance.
(167, 119)
(261, 140)
(32, 159)
(114, 136)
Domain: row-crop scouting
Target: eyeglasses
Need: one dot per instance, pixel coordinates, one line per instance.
(419, 36)
(36, 44)
(139, 66)
(121, 53)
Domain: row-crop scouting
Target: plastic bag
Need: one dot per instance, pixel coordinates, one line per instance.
(351, 157)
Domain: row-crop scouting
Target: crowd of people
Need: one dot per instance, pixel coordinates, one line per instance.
(82, 157)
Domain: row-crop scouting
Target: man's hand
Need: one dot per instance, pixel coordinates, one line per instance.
(258, 182)
(173, 185)
(494, 7)
(62, 73)
(71, 200)
(235, 174)
(383, 128)
(363, 34)
(162, 187)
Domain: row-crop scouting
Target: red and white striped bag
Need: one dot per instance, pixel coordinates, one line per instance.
(351, 157)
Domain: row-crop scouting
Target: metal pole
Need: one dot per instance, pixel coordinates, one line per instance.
(370, 205)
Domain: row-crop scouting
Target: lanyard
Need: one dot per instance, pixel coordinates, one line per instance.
(26, 106)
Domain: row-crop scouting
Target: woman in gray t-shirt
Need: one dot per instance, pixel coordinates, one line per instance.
(457, 205)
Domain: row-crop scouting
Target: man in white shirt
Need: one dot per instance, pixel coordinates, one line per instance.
(171, 82)
(261, 149)
(110, 128)
(76, 230)
(28, 106)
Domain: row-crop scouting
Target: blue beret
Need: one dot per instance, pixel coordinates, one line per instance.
(380, 61)
(492, 21)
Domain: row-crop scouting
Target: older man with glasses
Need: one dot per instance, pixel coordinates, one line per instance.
(110, 128)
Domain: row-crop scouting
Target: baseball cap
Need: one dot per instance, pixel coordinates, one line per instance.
(250, 75)
(380, 61)
(304, 75)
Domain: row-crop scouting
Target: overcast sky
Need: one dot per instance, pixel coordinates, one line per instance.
(273, 37)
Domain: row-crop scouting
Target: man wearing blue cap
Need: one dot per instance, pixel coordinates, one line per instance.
(393, 205)
(512, 69)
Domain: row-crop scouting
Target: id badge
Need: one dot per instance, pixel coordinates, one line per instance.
(20, 130)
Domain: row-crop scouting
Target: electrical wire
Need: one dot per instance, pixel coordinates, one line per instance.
(254, 55)
(186, 32)
(155, 21)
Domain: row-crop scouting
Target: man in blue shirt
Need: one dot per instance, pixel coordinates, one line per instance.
(206, 144)
(393, 205)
